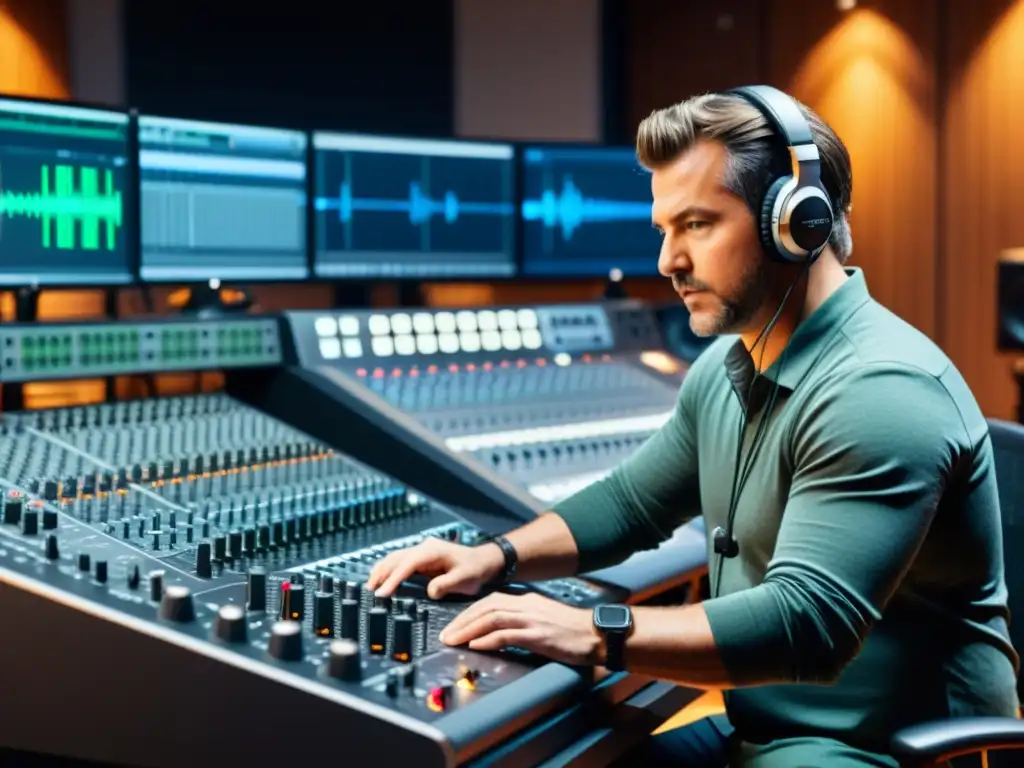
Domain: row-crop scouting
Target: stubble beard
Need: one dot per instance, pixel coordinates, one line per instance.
(735, 315)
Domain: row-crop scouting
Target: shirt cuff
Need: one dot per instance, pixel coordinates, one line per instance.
(751, 638)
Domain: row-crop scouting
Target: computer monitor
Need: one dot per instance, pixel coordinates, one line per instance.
(586, 211)
(221, 201)
(413, 208)
(63, 180)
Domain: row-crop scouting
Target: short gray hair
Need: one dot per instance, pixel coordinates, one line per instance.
(754, 157)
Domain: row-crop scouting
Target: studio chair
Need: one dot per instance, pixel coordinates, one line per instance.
(935, 743)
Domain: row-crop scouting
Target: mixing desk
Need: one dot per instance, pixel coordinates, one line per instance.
(185, 577)
(505, 409)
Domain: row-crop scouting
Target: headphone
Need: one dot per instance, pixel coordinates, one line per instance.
(796, 213)
(796, 222)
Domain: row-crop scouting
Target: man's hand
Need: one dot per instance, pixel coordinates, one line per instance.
(459, 569)
(533, 622)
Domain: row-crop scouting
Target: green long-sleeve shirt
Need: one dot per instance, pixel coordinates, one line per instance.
(868, 592)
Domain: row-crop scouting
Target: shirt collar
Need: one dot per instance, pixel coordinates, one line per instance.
(806, 345)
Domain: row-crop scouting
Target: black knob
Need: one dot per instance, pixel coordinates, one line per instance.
(30, 522)
(229, 625)
(393, 682)
(177, 604)
(133, 576)
(293, 602)
(256, 589)
(219, 548)
(13, 506)
(349, 619)
(156, 585)
(51, 548)
(235, 545)
(286, 641)
(377, 629)
(249, 541)
(323, 614)
(84, 563)
(401, 638)
(101, 571)
(344, 662)
(203, 568)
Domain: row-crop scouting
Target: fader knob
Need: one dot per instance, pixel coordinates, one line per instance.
(344, 662)
(156, 585)
(323, 614)
(101, 571)
(229, 625)
(349, 619)
(256, 589)
(203, 567)
(377, 629)
(286, 641)
(51, 548)
(393, 682)
(401, 640)
(177, 605)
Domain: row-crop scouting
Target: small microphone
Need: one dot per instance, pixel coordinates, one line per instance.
(725, 543)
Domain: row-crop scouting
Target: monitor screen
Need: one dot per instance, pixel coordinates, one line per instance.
(63, 181)
(586, 211)
(221, 201)
(413, 208)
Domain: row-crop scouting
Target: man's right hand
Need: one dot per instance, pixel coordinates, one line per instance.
(456, 568)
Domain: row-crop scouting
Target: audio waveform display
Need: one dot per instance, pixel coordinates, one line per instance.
(59, 207)
(586, 211)
(568, 209)
(413, 208)
(221, 201)
(63, 175)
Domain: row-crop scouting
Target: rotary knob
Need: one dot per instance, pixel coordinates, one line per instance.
(344, 662)
(286, 641)
(229, 626)
(177, 605)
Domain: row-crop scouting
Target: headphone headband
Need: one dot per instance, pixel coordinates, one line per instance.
(781, 111)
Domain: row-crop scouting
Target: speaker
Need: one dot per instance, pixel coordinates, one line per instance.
(1010, 300)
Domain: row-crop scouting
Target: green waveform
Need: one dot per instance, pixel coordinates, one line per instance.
(60, 206)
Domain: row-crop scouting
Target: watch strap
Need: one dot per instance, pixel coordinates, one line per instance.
(615, 650)
(508, 570)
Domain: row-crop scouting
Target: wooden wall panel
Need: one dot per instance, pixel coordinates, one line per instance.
(871, 74)
(679, 48)
(33, 49)
(983, 190)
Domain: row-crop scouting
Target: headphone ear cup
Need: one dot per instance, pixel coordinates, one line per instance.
(767, 208)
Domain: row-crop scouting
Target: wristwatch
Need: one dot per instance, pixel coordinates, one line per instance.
(615, 622)
(511, 560)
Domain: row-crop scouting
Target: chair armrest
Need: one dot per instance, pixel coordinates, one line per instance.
(941, 740)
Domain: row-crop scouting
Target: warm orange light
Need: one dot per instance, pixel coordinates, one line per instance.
(25, 68)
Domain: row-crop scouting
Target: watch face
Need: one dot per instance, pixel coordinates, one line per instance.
(613, 617)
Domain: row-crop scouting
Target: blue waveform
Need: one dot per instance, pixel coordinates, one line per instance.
(569, 209)
(420, 207)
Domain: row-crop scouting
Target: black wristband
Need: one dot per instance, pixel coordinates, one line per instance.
(508, 570)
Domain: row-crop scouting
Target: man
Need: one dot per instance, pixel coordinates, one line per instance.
(856, 561)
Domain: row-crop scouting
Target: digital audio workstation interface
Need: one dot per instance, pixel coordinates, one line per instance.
(63, 182)
(221, 201)
(413, 208)
(586, 211)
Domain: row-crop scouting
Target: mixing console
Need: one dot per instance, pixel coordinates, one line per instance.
(549, 398)
(205, 563)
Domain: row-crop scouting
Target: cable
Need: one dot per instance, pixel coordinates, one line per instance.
(741, 474)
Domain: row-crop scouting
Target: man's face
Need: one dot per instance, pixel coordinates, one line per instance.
(710, 248)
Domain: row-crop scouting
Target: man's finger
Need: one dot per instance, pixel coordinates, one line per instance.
(489, 623)
(413, 562)
(493, 602)
(522, 637)
(446, 582)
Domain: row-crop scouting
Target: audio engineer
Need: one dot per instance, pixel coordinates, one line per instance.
(840, 461)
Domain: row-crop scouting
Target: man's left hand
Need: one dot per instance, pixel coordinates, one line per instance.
(533, 622)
